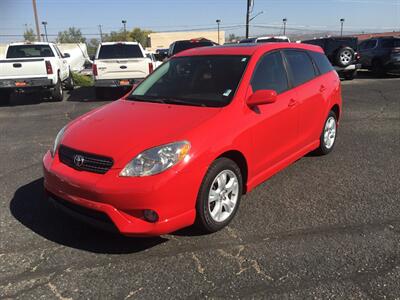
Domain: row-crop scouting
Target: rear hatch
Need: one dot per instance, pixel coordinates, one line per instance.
(121, 61)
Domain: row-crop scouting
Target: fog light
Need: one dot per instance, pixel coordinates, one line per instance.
(150, 215)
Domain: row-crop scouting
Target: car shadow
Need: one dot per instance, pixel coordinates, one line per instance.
(31, 209)
(87, 94)
(365, 74)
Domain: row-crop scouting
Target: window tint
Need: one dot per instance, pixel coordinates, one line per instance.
(390, 43)
(322, 62)
(120, 51)
(270, 74)
(370, 44)
(26, 51)
(301, 67)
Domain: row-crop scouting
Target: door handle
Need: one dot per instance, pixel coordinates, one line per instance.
(322, 88)
(292, 102)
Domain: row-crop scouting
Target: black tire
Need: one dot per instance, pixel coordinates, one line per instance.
(100, 93)
(350, 75)
(325, 148)
(377, 68)
(69, 82)
(5, 96)
(58, 93)
(344, 56)
(204, 220)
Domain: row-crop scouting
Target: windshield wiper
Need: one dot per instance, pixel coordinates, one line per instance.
(145, 99)
(181, 101)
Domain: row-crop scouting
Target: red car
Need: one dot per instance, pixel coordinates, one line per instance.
(205, 127)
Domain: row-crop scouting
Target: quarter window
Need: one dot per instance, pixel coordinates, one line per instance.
(301, 66)
(270, 74)
(322, 62)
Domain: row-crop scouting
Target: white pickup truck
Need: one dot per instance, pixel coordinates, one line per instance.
(119, 64)
(29, 67)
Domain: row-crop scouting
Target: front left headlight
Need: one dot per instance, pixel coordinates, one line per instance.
(156, 160)
(57, 141)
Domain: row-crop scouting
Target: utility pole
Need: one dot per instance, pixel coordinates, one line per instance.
(124, 22)
(248, 18)
(36, 20)
(218, 21)
(101, 34)
(45, 30)
(284, 25)
(341, 26)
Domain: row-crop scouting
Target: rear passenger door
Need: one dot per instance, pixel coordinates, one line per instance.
(310, 89)
(275, 130)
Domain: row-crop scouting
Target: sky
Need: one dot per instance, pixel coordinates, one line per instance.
(180, 15)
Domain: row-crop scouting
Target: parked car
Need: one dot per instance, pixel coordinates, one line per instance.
(179, 46)
(162, 53)
(266, 39)
(341, 52)
(119, 64)
(381, 55)
(152, 56)
(205, 127)
(30, 67)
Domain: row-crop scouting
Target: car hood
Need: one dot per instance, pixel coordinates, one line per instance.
(129, 127)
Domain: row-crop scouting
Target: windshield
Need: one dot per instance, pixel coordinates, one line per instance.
(120, 51)
(26, 51)
(193, 80)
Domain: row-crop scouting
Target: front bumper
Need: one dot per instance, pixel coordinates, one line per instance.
(123, 82)
(122, 200)
(26, 83)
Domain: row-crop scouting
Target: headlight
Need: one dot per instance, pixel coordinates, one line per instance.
(156, 160)
(57, 141)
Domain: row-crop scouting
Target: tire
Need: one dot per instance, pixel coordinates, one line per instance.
(344, 56)
(100, 93)
(326, 142)
(5, 97)
(350, 75)
(69, 82)
(213, 215)
(58, 93)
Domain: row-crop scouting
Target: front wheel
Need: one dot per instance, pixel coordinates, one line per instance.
(328, 135)
(219, 196)
(58, 93)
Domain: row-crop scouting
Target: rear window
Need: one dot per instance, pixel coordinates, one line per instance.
(120, 51)
(322, 62)
(185, 45)
(26, 51)
(301, 66)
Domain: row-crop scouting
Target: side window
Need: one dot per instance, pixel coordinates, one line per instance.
(58, 51)
(270, 74)
(362, 45)
(371, 44)
(322, 62)
(300, 65)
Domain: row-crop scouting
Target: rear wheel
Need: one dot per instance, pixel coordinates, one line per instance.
(58, 93)
(219, 196)
(328, 135)
(344, 56)
(5, 96)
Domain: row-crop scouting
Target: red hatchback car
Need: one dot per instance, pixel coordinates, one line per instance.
(205, 127)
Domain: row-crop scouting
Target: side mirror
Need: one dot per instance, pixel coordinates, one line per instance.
(261, 97)
(66, 55)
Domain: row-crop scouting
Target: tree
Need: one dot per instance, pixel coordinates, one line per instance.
(135, 34)
(29, 35)
(71, 35)
(232, 37)
(92, 46)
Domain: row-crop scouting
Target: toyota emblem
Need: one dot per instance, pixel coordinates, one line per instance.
(78, 160)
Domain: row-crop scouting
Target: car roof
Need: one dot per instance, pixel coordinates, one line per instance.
(246, 49)
(121, 42)
(29, 43)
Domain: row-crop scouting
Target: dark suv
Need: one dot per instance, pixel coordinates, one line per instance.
(381, 55)
(179, 46)
(341, 52)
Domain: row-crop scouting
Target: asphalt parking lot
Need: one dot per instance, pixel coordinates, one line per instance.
(326, 227)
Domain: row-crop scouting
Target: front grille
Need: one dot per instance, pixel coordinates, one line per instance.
(87, 161)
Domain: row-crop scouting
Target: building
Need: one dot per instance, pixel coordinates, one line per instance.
(164, 39)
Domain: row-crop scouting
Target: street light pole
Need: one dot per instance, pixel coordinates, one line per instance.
(341, 26)
(124, 22)
(44, 23)
(218, 21)
(248, 18)
(101, 34)
(36, 20)
(284, 25)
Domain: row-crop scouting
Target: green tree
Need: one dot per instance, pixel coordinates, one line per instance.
(71, 35)
(29, 35)
(92, 46)
(135, 34)
(232, 37)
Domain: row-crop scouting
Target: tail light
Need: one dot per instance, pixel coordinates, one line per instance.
(49, 68)
(151, 69)
(94, 69)
(357, 56)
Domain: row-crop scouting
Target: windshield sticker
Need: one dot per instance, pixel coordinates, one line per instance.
(244, 59)
(227, 92)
